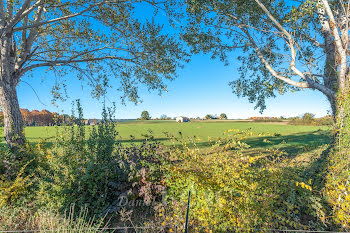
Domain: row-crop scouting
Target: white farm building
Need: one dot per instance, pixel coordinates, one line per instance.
(182, 119)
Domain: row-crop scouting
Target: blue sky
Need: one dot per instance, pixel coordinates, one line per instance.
(201, 88)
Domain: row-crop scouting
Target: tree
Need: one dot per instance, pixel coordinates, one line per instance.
(286, 45)
(208, 116)
(308, 117)
(223, 116)
(145, 115)
(93, 40)
(163, 117)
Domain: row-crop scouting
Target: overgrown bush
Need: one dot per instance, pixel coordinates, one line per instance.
(91, 169)
(234, 190)
(232, 186)
(85, 167)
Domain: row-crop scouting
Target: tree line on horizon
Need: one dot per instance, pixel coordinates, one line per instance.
(40, 118)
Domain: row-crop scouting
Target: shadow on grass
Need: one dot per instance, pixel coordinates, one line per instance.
(292, 143)
(141, 140)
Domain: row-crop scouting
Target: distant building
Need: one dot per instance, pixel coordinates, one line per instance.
(182, 119)
(92, 122)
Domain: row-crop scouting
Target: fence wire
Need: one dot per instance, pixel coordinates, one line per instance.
(165, 229)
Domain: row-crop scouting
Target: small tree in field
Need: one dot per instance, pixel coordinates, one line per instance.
(145, 115)
(223, 116)
(208, 116)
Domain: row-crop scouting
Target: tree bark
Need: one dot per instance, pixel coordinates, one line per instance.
(13, 122)
(333, 105)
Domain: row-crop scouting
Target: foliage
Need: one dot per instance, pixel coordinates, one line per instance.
(145, 115)
(11, 190)
(94, 171)
(309, 119)
(97, 41)
(164, 117)
(337, 185)
(232, 184)
(209, 116)
(277, 53)
(100, 37)
(233, 189)
(22, 219)
(223, 116)
(265, 119)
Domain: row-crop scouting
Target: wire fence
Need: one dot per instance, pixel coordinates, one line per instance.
(165, 229)
(175, 229)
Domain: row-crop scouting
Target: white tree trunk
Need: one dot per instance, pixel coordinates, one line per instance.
(13, 122)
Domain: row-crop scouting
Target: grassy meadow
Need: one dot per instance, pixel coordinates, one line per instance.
(202, 132)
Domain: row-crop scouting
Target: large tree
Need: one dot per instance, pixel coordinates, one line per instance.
(285, 45)
(90, 39)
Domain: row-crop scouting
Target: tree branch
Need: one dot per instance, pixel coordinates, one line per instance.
(64, 62)
(338, 44)
(269, 67)
(35, 25)
(28, 42)
(2, 13)
(276, 23)
(23, 11)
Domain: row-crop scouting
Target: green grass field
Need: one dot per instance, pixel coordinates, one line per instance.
(292, 136)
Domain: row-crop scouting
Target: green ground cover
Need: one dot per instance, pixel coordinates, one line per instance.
(265, 134)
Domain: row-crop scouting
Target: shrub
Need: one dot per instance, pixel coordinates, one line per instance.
(92, 169)
(232, 189)
(11, 190)
(308, 119)
(23, 219)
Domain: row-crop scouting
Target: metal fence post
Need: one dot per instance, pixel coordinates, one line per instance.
(188, 209)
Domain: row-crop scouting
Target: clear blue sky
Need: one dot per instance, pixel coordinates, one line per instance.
(201, 88)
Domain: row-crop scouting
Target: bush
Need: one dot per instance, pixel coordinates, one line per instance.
(24, 219)
(308, 119)
(232, 186)
(91, 169)
(85, 167)
(232, 189)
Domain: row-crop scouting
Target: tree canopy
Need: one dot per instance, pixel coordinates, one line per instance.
(91, 38)
(94, 41)
(286, 45)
